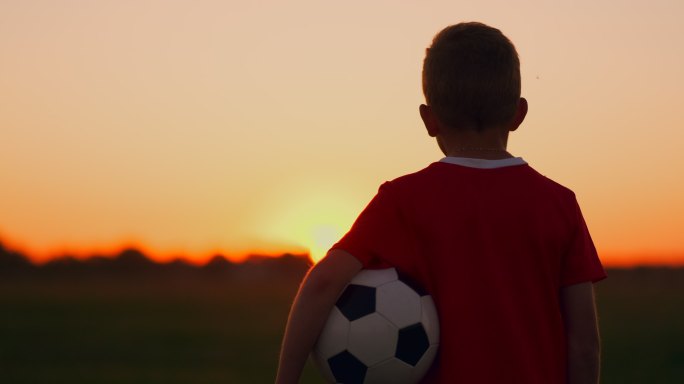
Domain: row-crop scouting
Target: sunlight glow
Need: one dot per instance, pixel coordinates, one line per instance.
(313, 216)
(322, 238)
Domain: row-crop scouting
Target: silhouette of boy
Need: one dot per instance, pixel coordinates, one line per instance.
(503, 250)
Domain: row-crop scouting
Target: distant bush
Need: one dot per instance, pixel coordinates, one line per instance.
(132, 261)
(13, 261)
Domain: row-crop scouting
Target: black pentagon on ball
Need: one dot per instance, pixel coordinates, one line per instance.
(412, 344)
(347, 369)
(356, 301)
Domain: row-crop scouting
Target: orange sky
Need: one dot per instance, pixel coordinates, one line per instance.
(196, 127)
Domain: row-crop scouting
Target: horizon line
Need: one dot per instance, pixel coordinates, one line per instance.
(610, 259)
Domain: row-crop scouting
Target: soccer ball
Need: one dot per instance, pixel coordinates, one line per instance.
(381, 330)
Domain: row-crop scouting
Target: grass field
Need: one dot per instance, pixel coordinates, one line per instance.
(199, 329)
(642, 326)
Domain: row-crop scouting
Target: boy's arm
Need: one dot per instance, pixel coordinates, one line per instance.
(582, 334)
(310, 310)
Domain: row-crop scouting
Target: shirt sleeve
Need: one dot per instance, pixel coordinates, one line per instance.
(378, 236)
(581, 262)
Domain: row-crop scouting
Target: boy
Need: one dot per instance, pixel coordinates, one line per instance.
(503, 250)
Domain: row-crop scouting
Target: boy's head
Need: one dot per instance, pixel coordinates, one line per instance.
(471, 77)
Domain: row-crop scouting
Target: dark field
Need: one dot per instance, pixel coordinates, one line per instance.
(226, 328)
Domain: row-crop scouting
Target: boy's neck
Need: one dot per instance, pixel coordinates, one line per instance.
(485, 154)
(488, 144)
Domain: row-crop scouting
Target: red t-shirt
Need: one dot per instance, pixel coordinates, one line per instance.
(493, 246)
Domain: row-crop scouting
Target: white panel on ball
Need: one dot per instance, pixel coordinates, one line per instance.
(391, 371)
(397, 292)
(429, 319)
(372, 339)
(333, 338)
(375, 277)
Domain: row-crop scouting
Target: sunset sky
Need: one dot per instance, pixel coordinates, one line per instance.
(196, 127)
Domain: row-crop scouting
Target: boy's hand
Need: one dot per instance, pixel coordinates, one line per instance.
(312, 305)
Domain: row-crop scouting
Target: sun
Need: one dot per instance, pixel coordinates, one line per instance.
(315, 220)
(323, 237)
(319, 230)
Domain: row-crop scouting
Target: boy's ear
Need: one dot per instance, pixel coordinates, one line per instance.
(520, 114)
(429, 120)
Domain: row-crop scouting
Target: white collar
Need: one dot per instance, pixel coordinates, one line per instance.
(483, 163)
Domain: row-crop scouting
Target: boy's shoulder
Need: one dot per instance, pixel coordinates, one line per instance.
(441, 172)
